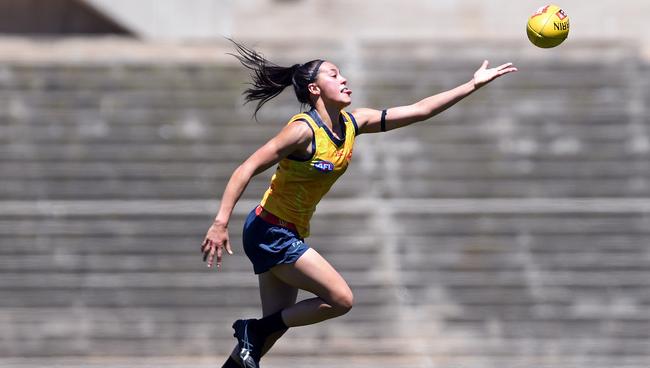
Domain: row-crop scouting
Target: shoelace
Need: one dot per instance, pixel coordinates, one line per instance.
(245, 351)
(247, 345)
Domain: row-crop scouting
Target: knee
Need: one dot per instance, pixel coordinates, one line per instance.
(342, 301)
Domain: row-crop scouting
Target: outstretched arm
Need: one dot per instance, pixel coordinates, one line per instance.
(370, 120)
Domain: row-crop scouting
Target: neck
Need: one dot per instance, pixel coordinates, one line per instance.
(328, 114)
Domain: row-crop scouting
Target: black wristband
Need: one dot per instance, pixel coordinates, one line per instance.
(383, 120)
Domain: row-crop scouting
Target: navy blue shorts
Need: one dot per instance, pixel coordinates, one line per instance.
(267, 245)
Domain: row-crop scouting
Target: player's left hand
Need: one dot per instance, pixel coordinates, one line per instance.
(484, 75)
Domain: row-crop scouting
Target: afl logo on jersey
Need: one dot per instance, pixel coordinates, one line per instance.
(324, 166)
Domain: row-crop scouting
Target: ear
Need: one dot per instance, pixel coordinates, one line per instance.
(313, 89)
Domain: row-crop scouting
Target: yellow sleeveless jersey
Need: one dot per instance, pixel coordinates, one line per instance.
(299, 184)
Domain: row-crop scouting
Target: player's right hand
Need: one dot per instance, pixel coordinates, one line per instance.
(215, 241)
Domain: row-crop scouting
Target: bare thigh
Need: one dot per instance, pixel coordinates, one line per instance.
(312, 272)
(275, 294)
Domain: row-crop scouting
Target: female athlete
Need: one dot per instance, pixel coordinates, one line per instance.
(311, 151)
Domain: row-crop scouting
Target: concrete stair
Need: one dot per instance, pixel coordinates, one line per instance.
(511, 228)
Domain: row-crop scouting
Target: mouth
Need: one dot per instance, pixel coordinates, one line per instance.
(346, 90)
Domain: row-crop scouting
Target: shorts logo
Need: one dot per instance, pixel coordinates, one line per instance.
(324, 166)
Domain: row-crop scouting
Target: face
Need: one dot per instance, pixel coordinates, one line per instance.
(331, 86)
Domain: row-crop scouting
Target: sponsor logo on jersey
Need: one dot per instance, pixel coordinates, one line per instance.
(324, 166)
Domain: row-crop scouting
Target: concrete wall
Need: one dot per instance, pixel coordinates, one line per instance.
(510, 231)
(54, 17)
(171, 19)
(314, 20)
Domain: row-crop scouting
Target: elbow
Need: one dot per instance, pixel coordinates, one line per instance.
(244, 172)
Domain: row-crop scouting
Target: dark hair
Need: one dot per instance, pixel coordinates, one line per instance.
(270, 79)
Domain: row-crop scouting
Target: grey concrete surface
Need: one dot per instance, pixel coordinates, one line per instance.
(510, 231)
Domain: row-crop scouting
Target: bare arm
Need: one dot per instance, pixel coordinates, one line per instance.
(369, 120)
(294, 137)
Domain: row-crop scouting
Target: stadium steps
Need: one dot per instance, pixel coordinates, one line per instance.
(511, 228)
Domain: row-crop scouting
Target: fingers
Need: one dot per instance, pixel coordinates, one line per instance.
(228, 249)
(220, 252)
(219, 255)
(207, 245)
(502, 69)
(210, 256)
(506, 70)
(503, 66)
(507, 66)
(210, 249)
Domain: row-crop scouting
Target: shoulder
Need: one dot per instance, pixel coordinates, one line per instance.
(299, 130)
(363, 115)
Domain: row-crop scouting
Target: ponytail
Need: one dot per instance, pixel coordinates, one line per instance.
(270, 79)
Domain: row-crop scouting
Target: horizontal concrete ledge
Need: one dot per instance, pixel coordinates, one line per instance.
(334, 206)
(357, 361)
(215, 361)
(121, 50)
(109, 50)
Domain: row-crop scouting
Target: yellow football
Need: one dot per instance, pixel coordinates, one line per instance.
(548, 26)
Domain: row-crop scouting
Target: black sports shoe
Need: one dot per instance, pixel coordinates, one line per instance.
(250, 349)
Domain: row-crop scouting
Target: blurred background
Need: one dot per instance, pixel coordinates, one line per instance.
(510, 231)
